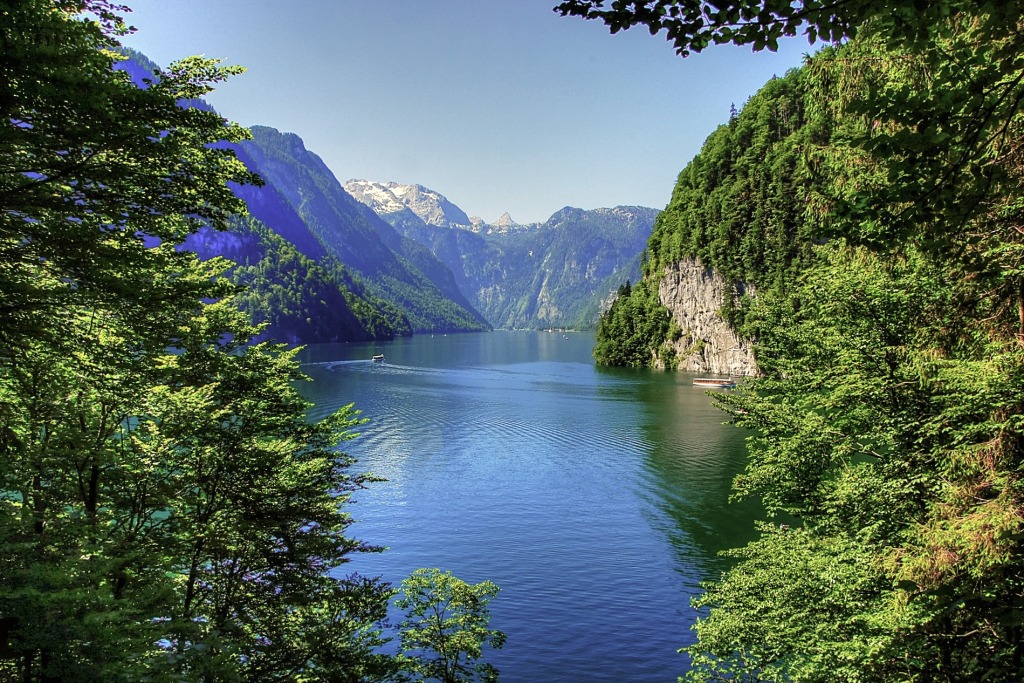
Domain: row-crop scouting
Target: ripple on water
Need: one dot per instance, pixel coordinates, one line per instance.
(594, 499)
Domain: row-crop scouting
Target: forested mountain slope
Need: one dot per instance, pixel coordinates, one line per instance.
(882, 219)
(302, 301)
(739, 209)
(394, 268)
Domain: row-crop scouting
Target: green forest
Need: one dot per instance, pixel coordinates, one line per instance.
(740, 207)
(167, 510)
(873, 197)
(304, 301)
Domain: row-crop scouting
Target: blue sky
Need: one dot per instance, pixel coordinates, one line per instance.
(500, 105)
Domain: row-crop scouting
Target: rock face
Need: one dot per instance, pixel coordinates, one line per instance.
(695, 294)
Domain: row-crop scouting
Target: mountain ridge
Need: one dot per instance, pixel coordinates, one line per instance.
(394, 200)
(551, 274)
(393, 267)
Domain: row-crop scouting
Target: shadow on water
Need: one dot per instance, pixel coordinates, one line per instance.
(691, 459)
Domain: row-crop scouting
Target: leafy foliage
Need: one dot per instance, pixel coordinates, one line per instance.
(887, 422)
(896, 455)
(446, 627)
(167, 512)
(693, 25)
(77, 175)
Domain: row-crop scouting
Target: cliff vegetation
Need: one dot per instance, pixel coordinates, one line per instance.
(883, 223)
(741, 208)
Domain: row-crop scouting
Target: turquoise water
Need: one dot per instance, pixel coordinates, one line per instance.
(596, 499)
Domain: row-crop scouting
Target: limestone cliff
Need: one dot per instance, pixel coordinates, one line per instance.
(694, 294)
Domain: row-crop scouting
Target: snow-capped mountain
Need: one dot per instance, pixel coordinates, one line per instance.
(432, 207)
(392, 200)
(551, 274)
(377, 196)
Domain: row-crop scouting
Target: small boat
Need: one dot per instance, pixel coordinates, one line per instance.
(379, 358)
(715, 382)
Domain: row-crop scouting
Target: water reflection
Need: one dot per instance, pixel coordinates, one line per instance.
(596, 499)
(691, 460)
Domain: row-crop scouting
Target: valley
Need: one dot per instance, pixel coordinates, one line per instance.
(402, 259)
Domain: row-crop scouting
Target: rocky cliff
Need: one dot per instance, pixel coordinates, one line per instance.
(695, 294)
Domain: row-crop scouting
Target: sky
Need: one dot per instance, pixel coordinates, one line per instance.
(500, 105)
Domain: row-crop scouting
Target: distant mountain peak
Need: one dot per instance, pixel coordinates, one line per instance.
(432, 207)
(392, 200)
(375, 195)
(505, 223)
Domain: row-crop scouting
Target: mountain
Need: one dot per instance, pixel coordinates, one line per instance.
(551, 274)
(558, 273)
(302, 301)
(370, 260)
(397, 203)
(505, 224)
(393, 267)
(292, 283)
(431, 207)
(738, 223)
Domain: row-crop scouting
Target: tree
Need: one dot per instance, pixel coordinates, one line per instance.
(693, 25)
(446, 627)
(167, 511)
(93, 170)
(632, 331)
(887, 423)
(948, 122)
(899, 458)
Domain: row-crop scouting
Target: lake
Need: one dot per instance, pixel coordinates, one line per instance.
(596, 498)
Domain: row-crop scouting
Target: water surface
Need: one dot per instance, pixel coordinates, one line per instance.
(596, 499)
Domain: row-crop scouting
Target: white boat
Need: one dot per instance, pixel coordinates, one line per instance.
(379, 358)
(715, 382)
